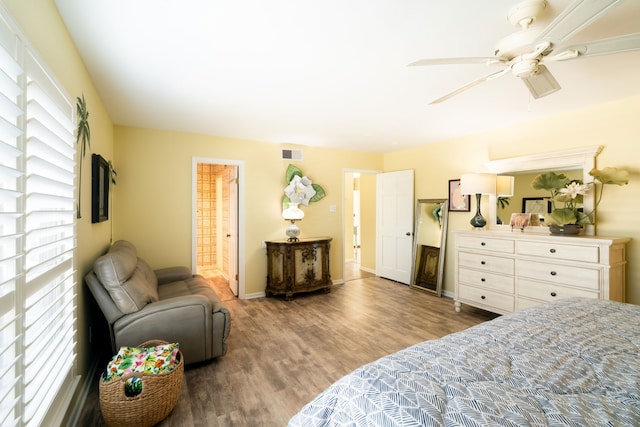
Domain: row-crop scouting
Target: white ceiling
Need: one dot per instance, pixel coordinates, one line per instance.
(329, 73)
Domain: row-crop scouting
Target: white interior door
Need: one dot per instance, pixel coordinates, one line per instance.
(394, 236)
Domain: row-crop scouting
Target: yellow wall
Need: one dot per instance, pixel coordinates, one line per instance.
(613, 125)
(153, 206)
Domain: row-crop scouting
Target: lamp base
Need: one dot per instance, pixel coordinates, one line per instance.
(293, 231)
(478, 221)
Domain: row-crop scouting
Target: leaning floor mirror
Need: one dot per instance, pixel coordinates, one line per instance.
(429, 238)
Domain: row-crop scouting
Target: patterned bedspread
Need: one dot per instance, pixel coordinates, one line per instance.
(574, 362)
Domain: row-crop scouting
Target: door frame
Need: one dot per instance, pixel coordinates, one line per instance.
(345, 171)
(240, 256)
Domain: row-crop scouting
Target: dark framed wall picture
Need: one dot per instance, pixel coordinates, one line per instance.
(457, 201)
(536, 205)
(99, 189)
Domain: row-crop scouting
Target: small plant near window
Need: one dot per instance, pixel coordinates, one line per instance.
(83, 138)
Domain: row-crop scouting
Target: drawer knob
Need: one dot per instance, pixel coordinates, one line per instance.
(553, 273)
(553, 251)
(482, 262)
(483, 244)
(482, 279)
(483, 297)
(553, 294)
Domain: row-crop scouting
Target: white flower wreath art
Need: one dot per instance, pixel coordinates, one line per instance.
(300, 189)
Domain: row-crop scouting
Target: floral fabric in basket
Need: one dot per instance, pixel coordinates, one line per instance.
(144, 360)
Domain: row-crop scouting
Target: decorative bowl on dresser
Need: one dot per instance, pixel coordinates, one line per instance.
(504, 272)
(300, 266)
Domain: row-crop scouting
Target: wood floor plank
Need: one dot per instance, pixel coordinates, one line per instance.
(281, 354)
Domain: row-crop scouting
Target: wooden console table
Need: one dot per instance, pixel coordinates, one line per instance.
(301, 266)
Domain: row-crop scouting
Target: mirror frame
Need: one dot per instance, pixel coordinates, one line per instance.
(443, 245)
(584, 158)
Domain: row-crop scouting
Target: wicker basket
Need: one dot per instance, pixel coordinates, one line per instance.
(159, 395)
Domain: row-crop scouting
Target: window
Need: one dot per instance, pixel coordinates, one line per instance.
(37, 236)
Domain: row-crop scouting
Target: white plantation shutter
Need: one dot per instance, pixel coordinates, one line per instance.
(37, 238)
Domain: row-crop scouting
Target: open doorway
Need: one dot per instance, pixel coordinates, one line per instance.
(359, 224)
(216, 225)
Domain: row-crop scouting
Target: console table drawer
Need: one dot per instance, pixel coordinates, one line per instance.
(486, 244)
(559, 251)
(583, 277)
(485, 297)
(550, 292)
(485, 279)
(486, 262)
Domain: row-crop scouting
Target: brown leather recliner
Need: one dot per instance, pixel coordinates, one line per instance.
(169, 304)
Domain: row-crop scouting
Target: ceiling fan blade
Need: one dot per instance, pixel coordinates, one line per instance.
(541, 83)
(470, 85)
(577, 16)
(627, 43)
(451, 61)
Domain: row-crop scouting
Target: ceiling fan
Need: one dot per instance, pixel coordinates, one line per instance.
(523, 53)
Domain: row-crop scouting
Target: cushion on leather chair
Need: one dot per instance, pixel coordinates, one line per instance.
(128, 279)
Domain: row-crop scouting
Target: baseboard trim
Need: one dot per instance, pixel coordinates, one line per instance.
(255, 295)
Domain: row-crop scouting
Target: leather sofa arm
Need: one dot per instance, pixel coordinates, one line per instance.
(172, 274)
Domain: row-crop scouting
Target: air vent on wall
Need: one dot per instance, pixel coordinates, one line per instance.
(291, 154)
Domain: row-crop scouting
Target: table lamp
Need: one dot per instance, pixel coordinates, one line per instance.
(293, 213)
(504, 185)
(478, 184)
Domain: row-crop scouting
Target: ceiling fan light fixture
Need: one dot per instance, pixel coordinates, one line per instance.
(541, 83)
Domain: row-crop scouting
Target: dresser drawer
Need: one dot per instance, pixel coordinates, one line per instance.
(485, 297)
(559, 251)
(522, 303)
(582, 277)
(486, 244)
(550, 292)
(486, 262)
(485, 279)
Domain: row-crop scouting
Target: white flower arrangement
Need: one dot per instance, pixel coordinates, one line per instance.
(567, 195)
(300, 189)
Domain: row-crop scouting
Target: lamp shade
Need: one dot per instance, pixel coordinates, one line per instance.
(293, 212)
(478, 183)
(504, 185)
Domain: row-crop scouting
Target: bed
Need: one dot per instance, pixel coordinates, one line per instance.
(573, 362)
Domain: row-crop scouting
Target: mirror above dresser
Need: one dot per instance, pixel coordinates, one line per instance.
(579, 161)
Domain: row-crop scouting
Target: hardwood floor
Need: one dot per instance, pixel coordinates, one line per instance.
(281, 354)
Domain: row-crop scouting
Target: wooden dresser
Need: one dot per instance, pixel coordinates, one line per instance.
(300, 266)
(502, 271)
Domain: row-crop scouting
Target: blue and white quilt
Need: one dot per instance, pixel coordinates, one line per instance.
(575, 362)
